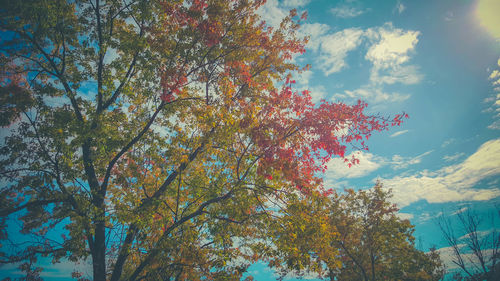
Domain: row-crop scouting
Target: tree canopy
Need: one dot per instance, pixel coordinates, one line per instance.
(355, 235)
(153, 138)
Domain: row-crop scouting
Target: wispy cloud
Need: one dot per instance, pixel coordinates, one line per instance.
(372, 94)
(315, 31)
(273, 13)
(368, 162)
(451, 183)
(399, 133)
(449, 16)
(317, 93)
(389, 50)
(404, 74)
(405, 216)
(337, 169)
(454, 157)
(345, 11)
(295, 3)
(494, 99)
(447, 255)
(334, 48)
(399, 162)
(459, 211)
(448, 142)
(399, 8)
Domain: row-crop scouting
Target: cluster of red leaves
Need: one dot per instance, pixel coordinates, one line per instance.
(298, 138)
(15, 96)
(172, 81)
(240, 72)
(211, 30)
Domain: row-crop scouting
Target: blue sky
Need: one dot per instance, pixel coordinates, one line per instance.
(436, 60)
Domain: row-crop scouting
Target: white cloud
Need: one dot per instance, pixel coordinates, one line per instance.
(449, 16)
(345, 11)
(423, 217)
(303, 77)
(399, 133)
(338, 169)
(272, 13)
(451, 183)
(334, 48)
(315, 31)
(454, 157)
(399, 8)
(407, 74)
(495, 125)
(393, 46)
(372, 94)
(459, 211)
(495, 74)
(399, 162)
(448, 142)
(494, 99)
(390, 52)
(295, 3)
(447, 255)
(404, 216)
(480, 234)
(317, 93)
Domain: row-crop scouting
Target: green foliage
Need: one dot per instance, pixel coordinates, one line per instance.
(351, 236)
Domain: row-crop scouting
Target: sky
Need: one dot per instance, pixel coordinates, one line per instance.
(438, 61)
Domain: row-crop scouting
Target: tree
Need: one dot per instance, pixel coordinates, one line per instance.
(154, 133)
(303, 237)
(355, 236)
(477, 252)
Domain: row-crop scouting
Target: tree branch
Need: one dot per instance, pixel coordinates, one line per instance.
(130, 144)
(4, 212)
(155, 251)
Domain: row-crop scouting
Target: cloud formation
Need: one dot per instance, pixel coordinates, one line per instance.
(494, 100)
(295, 3)
(368, 162)
(314, 31)
(399, 8)
(334, 48)
(451, 183)
(345, 11)
(392, 47)
(399, 133)
(337, 169)
(390, 52)
(272, 13)
(372, 94)
(454, 157)
(399, 162)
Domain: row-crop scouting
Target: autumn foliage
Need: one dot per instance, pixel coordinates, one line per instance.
(155, 138)
(352, 235)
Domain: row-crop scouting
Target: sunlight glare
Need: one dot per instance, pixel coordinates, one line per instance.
(488, 14)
